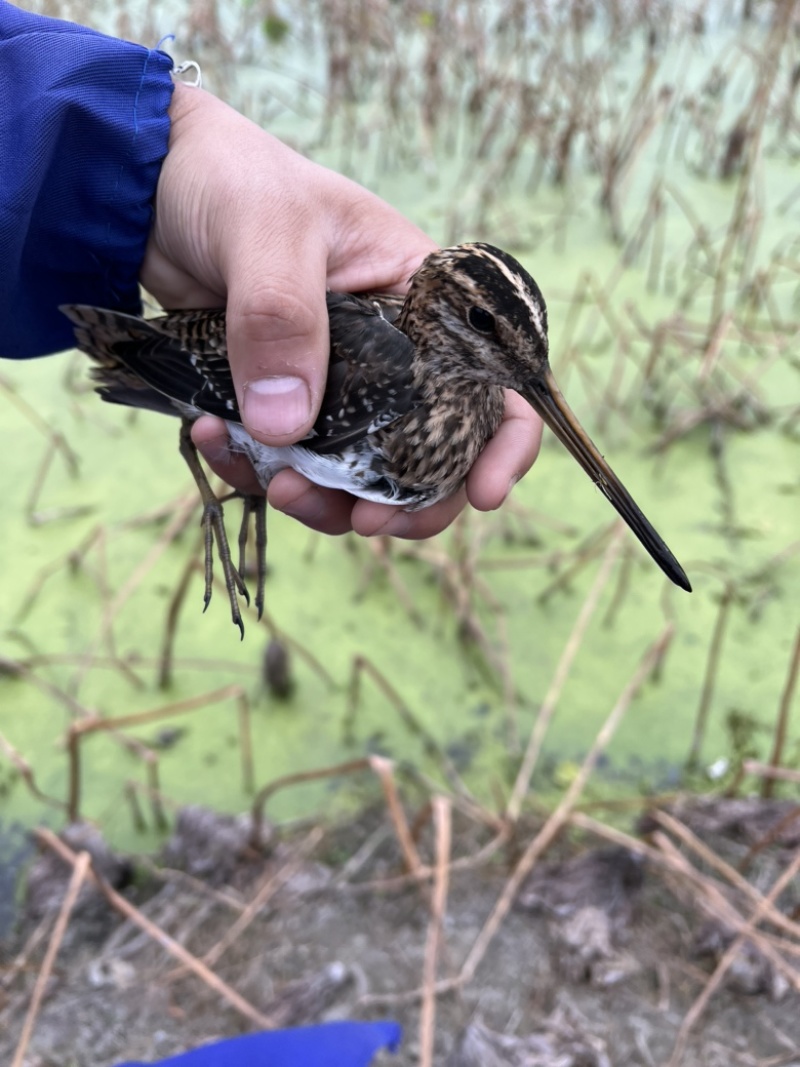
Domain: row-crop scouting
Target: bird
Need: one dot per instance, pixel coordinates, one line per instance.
(415, 389)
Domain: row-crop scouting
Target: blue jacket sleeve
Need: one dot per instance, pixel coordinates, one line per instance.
(83, 132)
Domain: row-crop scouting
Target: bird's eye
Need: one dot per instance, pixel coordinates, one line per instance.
(481, 320)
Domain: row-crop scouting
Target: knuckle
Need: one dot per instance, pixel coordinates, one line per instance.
(272, 312)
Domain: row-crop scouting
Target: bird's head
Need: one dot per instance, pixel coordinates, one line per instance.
(475, 314)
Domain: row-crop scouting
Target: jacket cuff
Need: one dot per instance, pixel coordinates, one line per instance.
(84, 128)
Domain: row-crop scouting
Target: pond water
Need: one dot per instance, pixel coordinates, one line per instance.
(635, 297)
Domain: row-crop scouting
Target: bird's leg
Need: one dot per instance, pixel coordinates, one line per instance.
(261, 551)
(255, 505)
(213, 526)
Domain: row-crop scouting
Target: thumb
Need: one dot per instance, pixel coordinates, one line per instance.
(278, 341)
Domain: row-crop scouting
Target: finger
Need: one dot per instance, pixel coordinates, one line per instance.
(372, 520)
(326, 510)
(277, 329)
(507, 457)
(173, 286)
(372, 246)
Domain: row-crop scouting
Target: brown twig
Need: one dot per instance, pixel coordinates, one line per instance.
(561, 815)
(712, 666)
(166, 538)
(701, 1003)
(384, 769)
(269, 887)
(717, 863)
(442, 820)
(362, 665)
(25, 772)
(95, 724)
(160, 936)
(298, 778)
(706, 893)
(550, 702)
(79, 871)
(779, 739)
(174, 607)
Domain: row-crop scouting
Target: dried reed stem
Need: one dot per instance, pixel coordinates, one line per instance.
(442, 821)
(79, 871)
(561, 815)
(384, 769)
(160, 936)
(701, 1003)
(551, 699)
(782, 723)
(269, 887)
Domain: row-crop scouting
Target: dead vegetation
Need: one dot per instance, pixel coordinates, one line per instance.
(494, 942)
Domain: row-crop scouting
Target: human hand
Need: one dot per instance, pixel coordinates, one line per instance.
(243, 221)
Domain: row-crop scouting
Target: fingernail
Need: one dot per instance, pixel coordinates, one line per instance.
(515, 478)
(277, 406)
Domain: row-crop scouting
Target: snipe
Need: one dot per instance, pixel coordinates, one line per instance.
(414, 392)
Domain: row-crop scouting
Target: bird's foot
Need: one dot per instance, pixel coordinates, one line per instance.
(213, 528)
(213, 524)
(255, 505)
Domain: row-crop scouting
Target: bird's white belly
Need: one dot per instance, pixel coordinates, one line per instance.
(351, 471)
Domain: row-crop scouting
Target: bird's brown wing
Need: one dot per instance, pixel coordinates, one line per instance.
(369, 374)
(179, 361)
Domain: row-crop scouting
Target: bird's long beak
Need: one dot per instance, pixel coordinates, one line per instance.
(546, 399)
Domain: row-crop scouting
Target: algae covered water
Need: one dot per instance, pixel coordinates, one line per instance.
(645, 171)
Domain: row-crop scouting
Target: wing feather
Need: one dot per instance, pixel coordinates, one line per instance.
(179, 361)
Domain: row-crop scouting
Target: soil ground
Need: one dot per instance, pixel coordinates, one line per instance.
(596, 964)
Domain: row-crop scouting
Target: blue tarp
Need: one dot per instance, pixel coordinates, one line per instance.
(340, 1044)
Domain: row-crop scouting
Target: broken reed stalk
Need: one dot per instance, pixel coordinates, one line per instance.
(384, 769)
(774, 833)
(700, 1004)
(56, 439)
(25, 771)
(135, 579)
(764, 770)
(379, 555)
(712, 666)
(561, 815)
(246, 742)
(579, 558)
(298, 778)
(79, 871)
(442, 821)
(756, 112)
(664, 856)
(94, 724)
(49, 840)
(779, 739)
(706, 893)
(20, 962)
(730, 874)
(72, 559)
(176, 602)
(293, 645)
(362, 665)
(40, 518)
(149, 757)
(550, 702)
(621, 588)
(269, 887)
